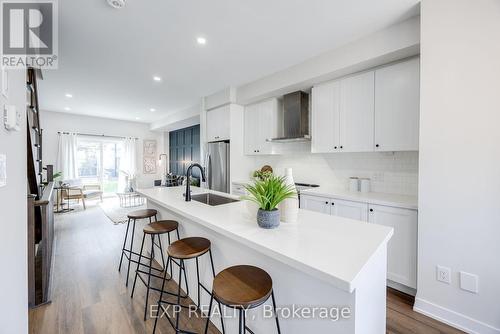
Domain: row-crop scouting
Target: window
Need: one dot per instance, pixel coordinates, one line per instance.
(98, 162)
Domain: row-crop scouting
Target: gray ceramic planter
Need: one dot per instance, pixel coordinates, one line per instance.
(268, 219)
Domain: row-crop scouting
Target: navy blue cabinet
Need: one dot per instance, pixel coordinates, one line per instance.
(184, 149)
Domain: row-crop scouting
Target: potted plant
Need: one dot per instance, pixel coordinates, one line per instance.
(268, 193)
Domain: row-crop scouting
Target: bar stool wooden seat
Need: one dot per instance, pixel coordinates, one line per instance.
(243, 287)
(129, 252)
(161, 227)
(182, 250)
(154, 230)
(142, 214)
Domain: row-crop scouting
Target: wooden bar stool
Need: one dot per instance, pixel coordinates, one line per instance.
(181, 250)
(242, 287)
(129, 252)
(155, 229)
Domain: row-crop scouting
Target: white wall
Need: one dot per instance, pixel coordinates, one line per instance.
(395, 173)
(52, 122)
(13, 217)
(459, 186)
(179, 119)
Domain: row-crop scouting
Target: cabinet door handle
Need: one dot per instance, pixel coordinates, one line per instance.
(335, 147)
(333, 203)
(341, 146)
(377, 145)
(371, 210)
(326, 202)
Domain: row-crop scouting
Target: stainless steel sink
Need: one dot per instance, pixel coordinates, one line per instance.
(212, 199)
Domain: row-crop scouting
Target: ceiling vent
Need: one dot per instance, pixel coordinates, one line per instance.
(116, 3)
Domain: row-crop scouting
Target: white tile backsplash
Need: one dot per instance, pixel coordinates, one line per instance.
(390, 172)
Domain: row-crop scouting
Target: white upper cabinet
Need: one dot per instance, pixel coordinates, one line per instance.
(397, 98)
(371, 111)
(402, 248)
(357, 112)
(325, 118)
(218, 124)
(262, 122)
(251, 129)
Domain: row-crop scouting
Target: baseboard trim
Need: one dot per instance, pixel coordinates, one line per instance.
(453, 318)
(402, 288)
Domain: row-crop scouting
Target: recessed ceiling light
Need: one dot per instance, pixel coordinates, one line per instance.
(137, 118)
(201, 40)
(156, 78)
(152, 109)
(68, 95)
(67, 108)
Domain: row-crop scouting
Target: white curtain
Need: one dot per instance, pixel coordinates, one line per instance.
(128, 164)
(66, 156)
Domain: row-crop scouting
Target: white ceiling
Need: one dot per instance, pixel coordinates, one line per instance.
(107, 57)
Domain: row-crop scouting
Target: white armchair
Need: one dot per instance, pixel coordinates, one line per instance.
(77, 190)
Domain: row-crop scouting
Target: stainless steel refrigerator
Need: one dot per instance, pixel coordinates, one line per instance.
(217, 166)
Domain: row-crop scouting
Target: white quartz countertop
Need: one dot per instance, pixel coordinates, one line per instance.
(330, 248)
(394, 200)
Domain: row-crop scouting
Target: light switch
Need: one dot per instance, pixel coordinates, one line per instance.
(469, 282)
(11, 118)
(3, 170)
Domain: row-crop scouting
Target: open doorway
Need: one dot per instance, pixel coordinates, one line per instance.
(98, 162)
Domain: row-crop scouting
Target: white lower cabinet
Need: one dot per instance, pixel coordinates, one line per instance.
(402, 248)
(335, 207)
(350, 209)
(315, 203)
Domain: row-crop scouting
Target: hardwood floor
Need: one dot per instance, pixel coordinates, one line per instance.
(89, 295)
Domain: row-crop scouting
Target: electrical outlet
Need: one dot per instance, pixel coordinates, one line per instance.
(443, 274)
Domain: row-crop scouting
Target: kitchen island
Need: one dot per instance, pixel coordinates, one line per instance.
(326, 265)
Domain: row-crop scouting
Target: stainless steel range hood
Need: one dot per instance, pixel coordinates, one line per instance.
(295, 118)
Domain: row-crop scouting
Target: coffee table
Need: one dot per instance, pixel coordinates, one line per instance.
(130, 199)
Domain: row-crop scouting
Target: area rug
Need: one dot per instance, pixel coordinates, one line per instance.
(115, 213)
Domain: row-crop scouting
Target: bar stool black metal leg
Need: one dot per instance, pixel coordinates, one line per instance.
(161, 251)
(276, 313)
(149, 275)
(185, 278)
(209, 313)
(177, 314)
(138, 264)
(198, 280)
(161, 295)
(131, 250)
(124, 244)
(169, 242)
(220, 306)
(242, 322)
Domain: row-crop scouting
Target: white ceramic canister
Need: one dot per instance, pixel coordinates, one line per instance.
(289, 208)
(364, 185)
(353, 184)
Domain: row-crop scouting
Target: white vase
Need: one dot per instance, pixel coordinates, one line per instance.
(289, 208)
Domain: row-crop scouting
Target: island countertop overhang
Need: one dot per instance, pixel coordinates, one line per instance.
(333, 249)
